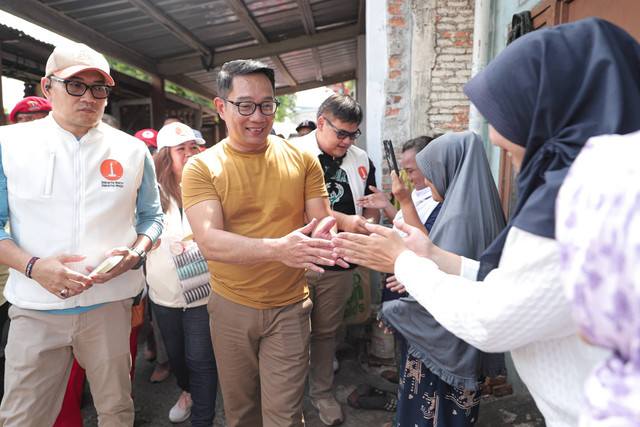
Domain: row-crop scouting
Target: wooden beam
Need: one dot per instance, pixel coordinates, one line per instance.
(192, 63)
(244, 15)
(284, 71)
(158, 106)
(310, 28)
(328, 80)
(316, 61)
(193, 86)
(362, 18)
(49, 18)
(307, 16)
(174, 27)
(191, 104)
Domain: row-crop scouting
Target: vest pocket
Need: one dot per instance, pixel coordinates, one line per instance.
(48, 183)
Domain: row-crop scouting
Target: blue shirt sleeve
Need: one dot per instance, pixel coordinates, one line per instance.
(148, 209)
(4, 201)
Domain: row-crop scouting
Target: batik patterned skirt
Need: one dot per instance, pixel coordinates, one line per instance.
(424, 400)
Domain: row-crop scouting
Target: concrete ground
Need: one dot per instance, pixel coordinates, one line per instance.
(153, 401)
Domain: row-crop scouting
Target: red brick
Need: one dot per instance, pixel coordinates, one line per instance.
(394, 61)
(397, 99)
(462, 35)
(394, 74)
(392, 112)
(446, 34)
(396, 22)
(394, 9)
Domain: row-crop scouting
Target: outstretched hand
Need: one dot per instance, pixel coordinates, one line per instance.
(416, 240)
(376, 200)
(324, 230)
(298, 250)
(377, 251)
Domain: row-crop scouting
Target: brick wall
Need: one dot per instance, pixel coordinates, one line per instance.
(444, 107)
(449, 107)
(397, 111)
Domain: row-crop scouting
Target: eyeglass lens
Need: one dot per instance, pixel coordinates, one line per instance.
(342, 134)
(247, 108)
(78, 89)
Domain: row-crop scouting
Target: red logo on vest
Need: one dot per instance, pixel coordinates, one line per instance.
(363, 172)
(111, 169)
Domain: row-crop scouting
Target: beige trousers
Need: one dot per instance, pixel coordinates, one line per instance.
(39, 354)
(329, 292)
(263, 358)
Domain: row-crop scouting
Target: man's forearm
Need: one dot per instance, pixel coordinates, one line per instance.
(230, 248)
(12, 256)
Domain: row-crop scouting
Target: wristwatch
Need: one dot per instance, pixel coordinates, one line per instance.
(143, 258)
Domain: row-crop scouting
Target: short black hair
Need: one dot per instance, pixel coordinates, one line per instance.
(417, 143)
(172, 117)
(342, 107)
(242, 67)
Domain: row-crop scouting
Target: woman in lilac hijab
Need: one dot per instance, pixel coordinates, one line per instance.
(598, 229)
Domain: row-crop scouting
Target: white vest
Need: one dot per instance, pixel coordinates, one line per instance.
(71, 197)
(355, 164)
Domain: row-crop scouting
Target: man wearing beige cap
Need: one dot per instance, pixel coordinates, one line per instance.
(83, 192)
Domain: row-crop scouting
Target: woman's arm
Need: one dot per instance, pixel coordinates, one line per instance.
(520, 302)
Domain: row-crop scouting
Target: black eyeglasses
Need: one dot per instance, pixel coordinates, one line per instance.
(76, 88)
(342, 134)
(247, 108)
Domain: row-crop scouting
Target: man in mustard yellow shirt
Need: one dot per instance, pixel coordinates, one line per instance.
(246, 199)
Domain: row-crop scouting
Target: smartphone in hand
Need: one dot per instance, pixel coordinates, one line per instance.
(106, 265)
(391, 156)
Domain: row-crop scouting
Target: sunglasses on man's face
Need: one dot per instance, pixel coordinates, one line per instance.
(343, 134)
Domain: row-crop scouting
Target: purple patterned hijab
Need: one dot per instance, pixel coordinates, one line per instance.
(598, 229)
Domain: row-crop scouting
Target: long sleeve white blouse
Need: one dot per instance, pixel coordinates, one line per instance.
(519, 307)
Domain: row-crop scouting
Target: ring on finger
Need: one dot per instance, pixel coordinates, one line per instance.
(64, 293)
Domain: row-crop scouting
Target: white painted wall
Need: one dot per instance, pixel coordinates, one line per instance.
(376, 69)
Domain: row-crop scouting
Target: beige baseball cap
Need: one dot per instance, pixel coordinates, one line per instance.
(70, 59)
(175, 134)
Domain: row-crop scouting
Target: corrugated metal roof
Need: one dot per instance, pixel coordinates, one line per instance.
(310, 43)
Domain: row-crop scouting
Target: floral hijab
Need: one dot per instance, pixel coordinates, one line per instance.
(598, 229)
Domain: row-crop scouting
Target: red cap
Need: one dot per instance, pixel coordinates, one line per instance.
(148, 136)
(30, 104)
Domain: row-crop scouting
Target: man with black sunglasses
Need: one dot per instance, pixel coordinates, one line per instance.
(348, 173)
(81, 192)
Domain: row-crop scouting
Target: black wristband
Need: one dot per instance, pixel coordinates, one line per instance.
(32, 261)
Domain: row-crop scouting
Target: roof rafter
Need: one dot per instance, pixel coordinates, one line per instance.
(51, 19)
(328, 80)
(174, 27)
(310, 28)
(187, 64)
(244, 15)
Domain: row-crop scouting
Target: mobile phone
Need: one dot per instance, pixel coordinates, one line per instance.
(391, 156)
(106, 265)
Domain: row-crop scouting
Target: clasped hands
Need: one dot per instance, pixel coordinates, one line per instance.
(380, 249)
